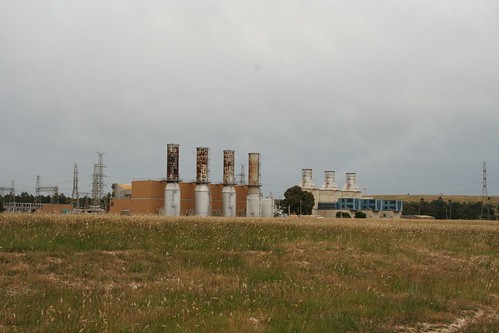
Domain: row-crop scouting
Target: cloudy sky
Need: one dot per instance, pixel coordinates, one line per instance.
(405, 93)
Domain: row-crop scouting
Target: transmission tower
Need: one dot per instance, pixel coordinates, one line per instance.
(50, 189)
(11, 191)
(241, 176)
(75, 197)
(484, 209)
(98, 181)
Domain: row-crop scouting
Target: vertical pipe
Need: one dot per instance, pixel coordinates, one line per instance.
(253, 197)
(202, 191)
(254, 169)
(228, 176)
(172, 188)
(172, 160)
(202, 165)
(228, 190)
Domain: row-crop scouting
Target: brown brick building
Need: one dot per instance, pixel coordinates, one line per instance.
(147, 197)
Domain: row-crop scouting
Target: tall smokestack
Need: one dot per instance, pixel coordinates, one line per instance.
(351, 183)
(228, 190)
(172, 189)
(306, 179)
(202, 191)
(202, 165)
(172, 158)
(229, 156)
(253, 196)
(254, 170)
(329, 181)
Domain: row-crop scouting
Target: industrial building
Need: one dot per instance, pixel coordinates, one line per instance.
(173, 197)
(330, 201)
(148, 197)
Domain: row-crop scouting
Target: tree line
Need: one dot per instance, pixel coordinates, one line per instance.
(441, 209)
(25, 197)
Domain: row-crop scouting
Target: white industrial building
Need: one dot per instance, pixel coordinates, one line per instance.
(330, 201)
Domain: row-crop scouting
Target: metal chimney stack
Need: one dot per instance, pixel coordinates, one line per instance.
(254, 170)
(172, 188)
(202, 191)
(172, 158)
(306, 179)
(351, 183)
(229, 156)
(202, 165)
(228, 190)
(253, 196)
(329, 181)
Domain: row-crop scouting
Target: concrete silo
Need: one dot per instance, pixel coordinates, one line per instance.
(202, 190)
(228, 190)
(172, 188)
(267, 207)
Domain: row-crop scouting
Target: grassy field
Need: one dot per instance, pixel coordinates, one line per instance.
(150, 274)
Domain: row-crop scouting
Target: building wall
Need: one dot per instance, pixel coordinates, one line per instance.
(148, 198)
(120, 205)
(121, 191)
(54, 208)
(331, 195)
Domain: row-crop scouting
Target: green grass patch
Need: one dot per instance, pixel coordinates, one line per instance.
(149, 274)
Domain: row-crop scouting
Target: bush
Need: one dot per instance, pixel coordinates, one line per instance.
(360, 215)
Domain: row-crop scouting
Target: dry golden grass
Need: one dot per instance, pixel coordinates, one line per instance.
(149, 273)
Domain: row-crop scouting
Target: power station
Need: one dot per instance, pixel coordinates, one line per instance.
(173, 197)
(330, 201)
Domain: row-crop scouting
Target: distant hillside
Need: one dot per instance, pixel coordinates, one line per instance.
(430, 197)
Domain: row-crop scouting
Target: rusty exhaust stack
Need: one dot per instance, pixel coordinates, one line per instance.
(172, 189)
(202, 191)
(228, 190)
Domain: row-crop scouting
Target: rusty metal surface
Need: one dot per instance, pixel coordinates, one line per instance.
(202, 165)
(228, 177)
(172, 158)
(254, 169)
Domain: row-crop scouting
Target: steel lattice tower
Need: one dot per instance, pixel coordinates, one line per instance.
(98, 181)
(11, 191)
(484, 209)
(75, 197)
(51, 189)
(242, 176)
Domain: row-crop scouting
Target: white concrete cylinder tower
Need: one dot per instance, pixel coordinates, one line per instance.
(306, 179)
(253, 196)
(228, 190)
(202, 191)
(351, 183)
(172, 189)
(329, 181)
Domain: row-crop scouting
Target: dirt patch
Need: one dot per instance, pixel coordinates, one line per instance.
(464, 319)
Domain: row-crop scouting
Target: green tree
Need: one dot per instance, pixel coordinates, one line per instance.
(360, 215)
(298, 201)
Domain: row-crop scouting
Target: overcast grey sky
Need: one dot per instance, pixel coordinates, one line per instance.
(404, 93)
